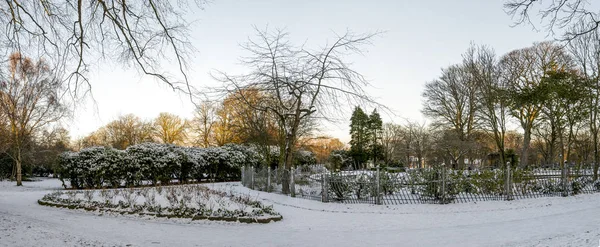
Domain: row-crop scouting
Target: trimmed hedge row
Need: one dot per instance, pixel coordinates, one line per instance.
(97, 167)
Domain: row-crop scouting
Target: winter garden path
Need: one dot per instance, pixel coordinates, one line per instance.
(571, 221)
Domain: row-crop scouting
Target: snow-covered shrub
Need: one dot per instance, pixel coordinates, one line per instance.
(110, 164)
(339, 187)
(388, 183)
(363, 186)
(489, 182)
(104, 166)
(339, 159)
(304, 158)
(67, 169)
(156, 162)
(194, 160)
(438, 188)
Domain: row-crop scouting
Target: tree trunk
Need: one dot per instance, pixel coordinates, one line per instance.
(525, 150)
(290, 142)
(596, 155)
(19, 170)
(594, 130)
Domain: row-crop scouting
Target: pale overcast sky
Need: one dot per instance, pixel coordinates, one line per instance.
(421, 38)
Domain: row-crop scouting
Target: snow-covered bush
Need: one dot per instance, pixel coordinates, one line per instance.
(156, 162)
(305, 158)
(339, 159)
(104, 166)
(67, 169)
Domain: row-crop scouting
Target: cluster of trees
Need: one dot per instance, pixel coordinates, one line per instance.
(549, 90)
(215, 123)
(129, 130)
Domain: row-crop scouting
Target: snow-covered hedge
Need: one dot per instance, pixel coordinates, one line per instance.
(97, 167)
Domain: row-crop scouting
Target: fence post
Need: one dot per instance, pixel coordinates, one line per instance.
(324, 188)
(378, 181)
(443, 192)
(252, 177)
(243, 177)
(292, 183)
(508, 183)
(268, 179)
(564, 179)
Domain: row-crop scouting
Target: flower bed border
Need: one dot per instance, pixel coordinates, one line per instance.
(261, 220)
(266, 215)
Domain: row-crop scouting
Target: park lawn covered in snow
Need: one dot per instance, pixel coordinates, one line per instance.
(553, 221)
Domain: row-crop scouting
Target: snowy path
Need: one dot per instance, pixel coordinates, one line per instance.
(571, 221)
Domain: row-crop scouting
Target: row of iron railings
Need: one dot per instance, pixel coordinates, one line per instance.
(428, 185)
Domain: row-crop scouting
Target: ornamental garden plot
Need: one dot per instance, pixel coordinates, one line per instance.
(194, 202)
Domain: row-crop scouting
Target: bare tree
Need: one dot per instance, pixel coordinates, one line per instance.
(493, 108)
(302, 82)
(78, 33)
(170, 128)
(585, 50)
(391, 141)
(203, 122)
(29, 98)
(127, 130)
(451, 101)
(557, 14)
(100, 137)
(420, 141)
(224, 129)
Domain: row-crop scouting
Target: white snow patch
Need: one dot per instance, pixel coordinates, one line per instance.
(552, 221)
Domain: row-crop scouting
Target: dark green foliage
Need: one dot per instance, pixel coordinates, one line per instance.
(340, 159)
(359, 132)
(439, 186)
(375, 128)
(339, 187)
(365, 131)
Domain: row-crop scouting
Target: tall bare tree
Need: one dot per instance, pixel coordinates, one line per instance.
(585, 50)
(29, 98)
(170, 128)
(203, 123)
(482, 64)
(303, 82)
(128, 130)
(451, 101)
(224, 129)
(78, 33)
(391, 140)
(420, 141)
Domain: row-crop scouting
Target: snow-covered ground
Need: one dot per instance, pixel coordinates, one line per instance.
(570, 221)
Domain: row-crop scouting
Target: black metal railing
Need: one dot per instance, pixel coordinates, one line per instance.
(427, 185)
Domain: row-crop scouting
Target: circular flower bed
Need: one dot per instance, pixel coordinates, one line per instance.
(195, 202)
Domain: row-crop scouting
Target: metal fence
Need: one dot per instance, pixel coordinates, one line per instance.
(428, 185)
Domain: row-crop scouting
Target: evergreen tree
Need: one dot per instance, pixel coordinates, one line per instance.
(359, 131)
(375, 131)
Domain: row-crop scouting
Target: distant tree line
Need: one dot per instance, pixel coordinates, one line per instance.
(549, 90)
